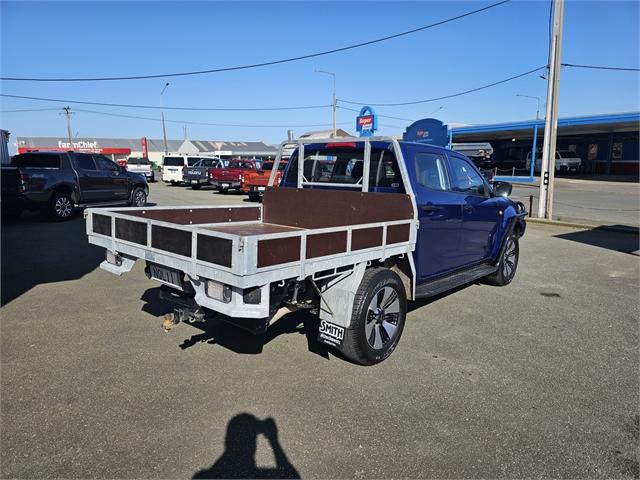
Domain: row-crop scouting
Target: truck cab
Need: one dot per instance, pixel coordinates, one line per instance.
(462, 218)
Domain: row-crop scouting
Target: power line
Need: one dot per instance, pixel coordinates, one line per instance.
(601, 67)
(262, 64)
(465, 92)
(381, 116)
(30, 110)
(190, 122)
(155, 107)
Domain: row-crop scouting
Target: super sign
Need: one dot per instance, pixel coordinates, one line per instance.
(366, 122)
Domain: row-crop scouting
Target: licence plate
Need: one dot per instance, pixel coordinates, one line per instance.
(225, 184)
(194, 181)
(165, 275)
(261, 189)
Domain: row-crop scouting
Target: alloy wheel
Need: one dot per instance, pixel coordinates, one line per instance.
(382, 318)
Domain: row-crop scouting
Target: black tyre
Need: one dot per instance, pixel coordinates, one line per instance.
(224, 191)
(378, 317)
(196, 186)
(138, 197)
(60, 206)
(508, 263)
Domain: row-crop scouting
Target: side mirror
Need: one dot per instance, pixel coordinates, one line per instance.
(502, 189)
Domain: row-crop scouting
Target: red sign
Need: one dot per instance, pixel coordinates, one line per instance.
(105, 151)
(145, 151)
(366, 122)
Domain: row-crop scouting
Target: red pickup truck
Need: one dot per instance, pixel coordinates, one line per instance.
(254, 183)
(230, 178)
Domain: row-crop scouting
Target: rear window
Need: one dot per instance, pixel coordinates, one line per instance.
(269, 166)
(192, 161)
(174, 161)
(345, 166)
(37, 160)
(237, 164)
(138, 161)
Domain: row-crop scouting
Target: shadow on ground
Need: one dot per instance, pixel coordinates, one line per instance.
(218, 332)
(36, 251)
(619, 241)
(239, 457)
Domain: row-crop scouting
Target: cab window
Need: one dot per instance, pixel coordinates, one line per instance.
(431, 171)
(464, 177)
(85, 161)
(105, 164)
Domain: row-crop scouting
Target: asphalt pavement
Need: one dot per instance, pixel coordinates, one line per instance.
(536, 379)
(590, 202)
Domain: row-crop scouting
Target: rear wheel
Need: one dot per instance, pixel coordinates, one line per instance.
(60, 206)
(378, 317)
(508, 263)
(138, 197)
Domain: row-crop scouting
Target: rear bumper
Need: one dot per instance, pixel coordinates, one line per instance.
(197, 181)
(234, 185)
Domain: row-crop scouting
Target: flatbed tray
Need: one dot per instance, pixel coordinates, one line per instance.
(239, 245)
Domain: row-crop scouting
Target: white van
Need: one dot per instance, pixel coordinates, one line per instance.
(566, 161)
(172, 166)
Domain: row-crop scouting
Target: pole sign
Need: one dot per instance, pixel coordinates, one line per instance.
(145, 147)
(427, 130)
(366, 122)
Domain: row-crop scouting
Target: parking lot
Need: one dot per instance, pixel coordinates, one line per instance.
(537, 379)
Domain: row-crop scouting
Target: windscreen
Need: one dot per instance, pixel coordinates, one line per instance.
(173, 161)
(37, 160)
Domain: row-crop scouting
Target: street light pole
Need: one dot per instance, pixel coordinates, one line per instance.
(535, 98)
(164, 130)
(334, 102)
(545, 204)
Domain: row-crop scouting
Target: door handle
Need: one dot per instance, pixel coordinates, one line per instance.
(430, 208)
(467, 208)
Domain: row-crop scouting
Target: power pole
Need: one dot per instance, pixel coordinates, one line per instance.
(545, 205)
(67, 113)
(164, 130)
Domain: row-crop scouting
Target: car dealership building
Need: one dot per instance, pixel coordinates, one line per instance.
(607, 144)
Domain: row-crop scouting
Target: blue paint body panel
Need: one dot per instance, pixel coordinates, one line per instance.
(457, 230)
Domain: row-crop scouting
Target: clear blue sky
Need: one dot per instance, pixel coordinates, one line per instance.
(49, 39)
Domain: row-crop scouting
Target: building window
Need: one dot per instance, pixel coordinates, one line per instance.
(616, 153)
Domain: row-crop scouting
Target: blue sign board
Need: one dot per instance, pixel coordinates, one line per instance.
(367, 122)
(427, 130)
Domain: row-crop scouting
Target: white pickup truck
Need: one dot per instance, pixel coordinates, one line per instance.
(143, 166)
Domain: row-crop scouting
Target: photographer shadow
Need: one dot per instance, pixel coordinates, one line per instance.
(239, 457)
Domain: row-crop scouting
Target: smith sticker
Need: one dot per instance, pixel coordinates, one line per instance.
(330, 334)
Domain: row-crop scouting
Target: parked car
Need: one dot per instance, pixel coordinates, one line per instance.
(230, 177)
(198, 175)
(173, 167)
(566, 161)
(143, 166)
(57, 182)
(381, 223)
(254, 183)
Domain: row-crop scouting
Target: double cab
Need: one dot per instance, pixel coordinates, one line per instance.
(358, 228)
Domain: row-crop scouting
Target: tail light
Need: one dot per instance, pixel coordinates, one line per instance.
(23, 182)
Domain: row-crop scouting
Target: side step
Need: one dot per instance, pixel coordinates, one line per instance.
(441, 285)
